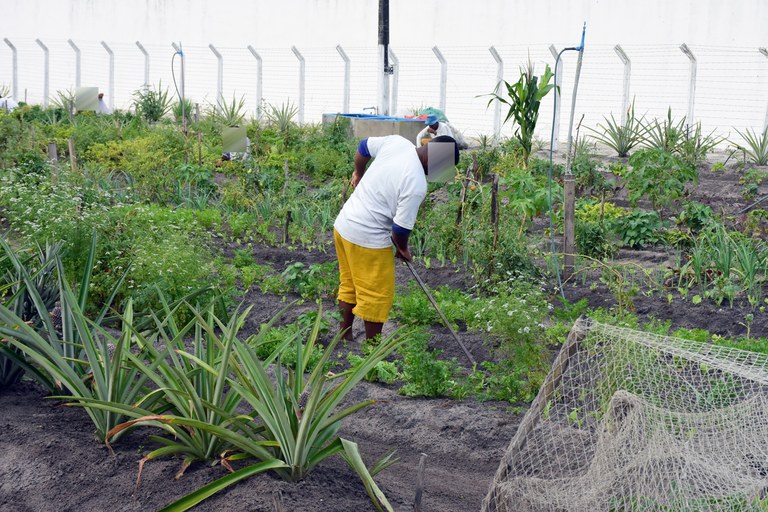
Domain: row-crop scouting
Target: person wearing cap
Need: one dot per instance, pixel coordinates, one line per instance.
(102, 107)
(380, 212)
(436, 128)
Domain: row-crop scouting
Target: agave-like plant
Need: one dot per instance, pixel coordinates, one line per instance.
(152, 103)
(195, 406)
(755, 147)
(229, 113)
(298, 416)
(622, 138)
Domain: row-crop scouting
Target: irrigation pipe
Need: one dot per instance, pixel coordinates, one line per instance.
(439, 311)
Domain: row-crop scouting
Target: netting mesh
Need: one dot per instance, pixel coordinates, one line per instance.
(630, 421)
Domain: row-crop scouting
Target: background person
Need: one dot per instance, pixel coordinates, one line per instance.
(381, 210)
(102, 107)
(437, 128)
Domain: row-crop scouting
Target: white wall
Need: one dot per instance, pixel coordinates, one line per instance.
(733, 77)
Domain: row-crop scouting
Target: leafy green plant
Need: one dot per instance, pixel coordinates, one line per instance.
(525, 97)
(639, 228)
(424, 374)
(313, 281)
(152, 103)
(622, 138)
(751, 181)
(696, 216)
(755, 146)
(659, 176)
(593, 239)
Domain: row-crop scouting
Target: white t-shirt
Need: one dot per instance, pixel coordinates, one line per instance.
(442, 129)
(391, 190)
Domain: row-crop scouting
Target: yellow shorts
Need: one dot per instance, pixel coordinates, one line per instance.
(367, 279)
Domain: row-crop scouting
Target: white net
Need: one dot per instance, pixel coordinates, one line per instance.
(630, 421)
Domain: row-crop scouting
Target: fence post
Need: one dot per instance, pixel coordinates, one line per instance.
(395, 62)
(14, 69)
(258, 79)
(625, 85)
(558, 97)
(77, 61)
(764, 51)
(300, 57)
(146, 63)
(111, 75)
(692, 79)
(347, 66)
(46, 72)
(219, 73)
(443, 75)
(499, 91)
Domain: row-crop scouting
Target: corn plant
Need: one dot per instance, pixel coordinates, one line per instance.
(524, 101)
(755, 147)
(298, 415)
(621, 137)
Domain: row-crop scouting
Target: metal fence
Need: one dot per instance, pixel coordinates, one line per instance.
(721, 87)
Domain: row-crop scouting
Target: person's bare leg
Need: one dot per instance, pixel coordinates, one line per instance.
(346, 320)
(373, 329)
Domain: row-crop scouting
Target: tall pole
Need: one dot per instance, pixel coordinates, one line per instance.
(146, 62)
(764, 51)
(384, 68)
(14, 70)
(556, 115)
(77, 61)
(569, 181)
(259, 80)
(111, 75)
(347, 75)
(691, 81)
(46, 72)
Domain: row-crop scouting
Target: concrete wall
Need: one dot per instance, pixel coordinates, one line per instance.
(732, 88)
(271, 23)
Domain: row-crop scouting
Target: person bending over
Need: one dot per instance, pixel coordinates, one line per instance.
(381, 211)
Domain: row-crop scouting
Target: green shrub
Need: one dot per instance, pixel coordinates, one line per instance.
(639, 229)
(423, 372)
(593, 239)
(659, 176)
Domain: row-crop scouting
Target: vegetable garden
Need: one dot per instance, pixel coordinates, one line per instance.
(184, 305)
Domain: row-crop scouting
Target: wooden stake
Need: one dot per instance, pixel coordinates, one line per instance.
(277, 500)
(285, 176)
(420, 483)
(494, 219)
(72, 155)
(199, 148)
(197, 112)
(288, 219)
(463, 195)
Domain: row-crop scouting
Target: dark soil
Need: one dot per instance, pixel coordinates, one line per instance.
(50, 460)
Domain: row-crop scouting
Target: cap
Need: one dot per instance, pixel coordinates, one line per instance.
(431, 119)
